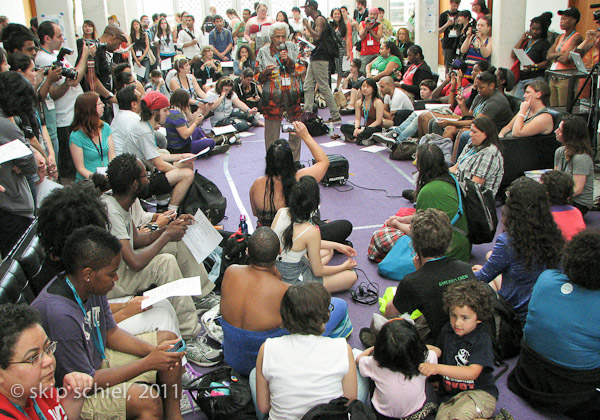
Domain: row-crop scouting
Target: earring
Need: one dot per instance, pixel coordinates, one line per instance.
(88, 279)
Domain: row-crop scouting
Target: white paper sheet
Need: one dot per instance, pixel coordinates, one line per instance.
(139, 70)
(374, 149)
(246, 134)
(13, 150)
(227, 64)
(334, 143)
(165, 64)
(201, 237)
(201, 152)
(523, 57)
(421, 111)
(311, 46)
(224, 130)
(436, 106)
(189, 286)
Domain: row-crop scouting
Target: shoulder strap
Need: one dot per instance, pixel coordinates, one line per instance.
(460, 206)
(301, 233)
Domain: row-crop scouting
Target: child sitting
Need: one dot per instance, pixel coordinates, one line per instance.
(560, 191)
(466, 355)
(393, 365)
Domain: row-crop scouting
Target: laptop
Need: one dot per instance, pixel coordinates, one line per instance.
(578, 61)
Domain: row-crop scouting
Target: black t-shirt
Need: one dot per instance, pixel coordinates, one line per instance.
(423, 290)
(537, 52)
(447, 41)
(474, 348)
(359, 17)
(320, 52)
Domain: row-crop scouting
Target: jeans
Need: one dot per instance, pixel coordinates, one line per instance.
(409, 128)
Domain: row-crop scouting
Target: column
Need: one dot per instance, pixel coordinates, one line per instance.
(49, 9)
(97, 12)
(508, 23)
(426, 34)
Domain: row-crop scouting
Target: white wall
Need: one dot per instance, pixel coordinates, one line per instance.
(537, 7)
(14, 11)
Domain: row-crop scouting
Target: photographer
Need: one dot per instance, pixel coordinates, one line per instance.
(65, 91)
(370, 35)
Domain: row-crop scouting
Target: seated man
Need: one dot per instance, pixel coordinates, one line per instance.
(127, 117)
(423, 289)
(394, 99)
(170, 177)
(251, 295)
(157, 257)
(75, 314)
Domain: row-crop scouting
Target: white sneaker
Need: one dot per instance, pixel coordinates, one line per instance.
(200, 353)
(187, 378)
(207, 302)
(187, 404)
(384, 138)
(211, 321)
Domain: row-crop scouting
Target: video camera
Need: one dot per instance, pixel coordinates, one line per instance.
(66, 72)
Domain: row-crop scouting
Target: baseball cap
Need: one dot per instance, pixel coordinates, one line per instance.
(571, 12)
(114, 30)
(311, 3)
(155, 100)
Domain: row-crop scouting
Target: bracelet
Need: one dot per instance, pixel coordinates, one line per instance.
(521, 115)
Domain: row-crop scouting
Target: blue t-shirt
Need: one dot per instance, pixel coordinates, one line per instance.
(174, 120)
(94, 155)
(63, 321)
(220, 40)
(563, 323)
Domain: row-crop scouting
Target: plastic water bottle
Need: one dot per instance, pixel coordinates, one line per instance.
(243, 224)
(331, 129)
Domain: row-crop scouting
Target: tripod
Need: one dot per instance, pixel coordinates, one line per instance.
(593, 77)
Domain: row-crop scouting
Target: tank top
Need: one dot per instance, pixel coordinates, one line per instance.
(564, 42)
(283, 221)
(369, 115)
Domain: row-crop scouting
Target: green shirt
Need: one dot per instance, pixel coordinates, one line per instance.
(443, 196)
(381, 63)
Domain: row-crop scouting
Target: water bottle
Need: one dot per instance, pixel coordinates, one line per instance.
(331, 129)
(243, 224)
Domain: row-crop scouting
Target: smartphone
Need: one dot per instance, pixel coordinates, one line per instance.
(177, 347)
(287, 128)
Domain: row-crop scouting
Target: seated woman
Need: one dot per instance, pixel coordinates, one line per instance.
(404, 42)
(298, 371)
(574, 158)
(436, 189)
(303, 254)
(530, 244)
(370, 109)
(250, 303)
(417, 71)
(90, 142)
(534, 117)
(222, 99)
(452, 83)
(389, 60)
(481, 160)
(268, 193)
(247, 89)
(207, 70)
(506, 81)
(478, 44)
(184, 80)
(244, 59)
(560, 190)
(28, 385)
(559, 365)
(355, 76)
(184, 136)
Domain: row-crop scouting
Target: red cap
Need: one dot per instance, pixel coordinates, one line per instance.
(156, 100)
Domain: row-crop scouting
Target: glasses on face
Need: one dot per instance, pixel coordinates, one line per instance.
(37, 359)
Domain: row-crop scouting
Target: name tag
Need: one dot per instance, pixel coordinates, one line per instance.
(453, 33)
(209, 81)
(374, 72)
(286, 81)
(101, 170)
(370, 43)
(138, 53)
(49, 103)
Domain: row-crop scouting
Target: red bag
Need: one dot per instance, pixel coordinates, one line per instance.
(516, 69)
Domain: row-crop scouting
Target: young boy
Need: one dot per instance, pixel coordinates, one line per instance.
(560, 191)
(466, 355)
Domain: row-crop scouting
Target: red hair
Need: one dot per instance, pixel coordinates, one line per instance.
(86, 117)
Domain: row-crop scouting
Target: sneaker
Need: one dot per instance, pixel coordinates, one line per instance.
(366, 142)
(187, 404)
(207, 302)
(384, 138)
(211, 321)
(347, 111)
(200, 353)
(187, 377)
(217, 150)
(367, 337)
(338, 120)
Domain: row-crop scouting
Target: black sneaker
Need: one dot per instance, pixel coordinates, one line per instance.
(367, 337)
(217, 150)
(409, 195)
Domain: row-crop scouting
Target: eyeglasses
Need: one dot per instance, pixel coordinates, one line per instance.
(37, 359)
(331, 307)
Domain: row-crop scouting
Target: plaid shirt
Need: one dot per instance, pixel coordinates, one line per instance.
(484, 162)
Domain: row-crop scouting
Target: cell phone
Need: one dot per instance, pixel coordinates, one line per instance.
(177, 347)
(287, 128)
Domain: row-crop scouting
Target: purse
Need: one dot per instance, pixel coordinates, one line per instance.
(340, 99)
(399, 261)
(151, 57)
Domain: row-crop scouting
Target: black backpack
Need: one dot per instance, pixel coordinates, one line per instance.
(477, 204)
(234, 252)
(205, 195)
(314, 124)
(329, 41)
(505, 329)
(339, 409)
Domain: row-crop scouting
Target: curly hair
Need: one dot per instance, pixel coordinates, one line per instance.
(559, 186)
(431, 233)
(581, 260)
(16, 94)
(22, 317)
(305, 308)
(472, 293)
(66, 209)
(303, 201)
(122, 172)
(399, 348)
(535, 238)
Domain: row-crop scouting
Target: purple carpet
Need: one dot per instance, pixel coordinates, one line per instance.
(356, 201)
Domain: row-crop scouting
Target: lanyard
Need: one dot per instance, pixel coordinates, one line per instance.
(530, 45)
(99, 147)
(35, 407)
(280, 64)
(436, 259)
(559, 48)
(471, 153)
(477, 109)
(207, 70)
(98, 342)
(366, 110)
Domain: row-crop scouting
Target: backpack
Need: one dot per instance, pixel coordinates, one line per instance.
(477, 204)
(234, 252)
(505, 329)
(339, 409)
(314, 124)
(329, 41)
(205, 195)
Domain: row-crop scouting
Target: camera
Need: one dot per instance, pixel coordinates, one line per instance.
(370, 20)
(287, 128)
(95, 42)
(66, 72)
